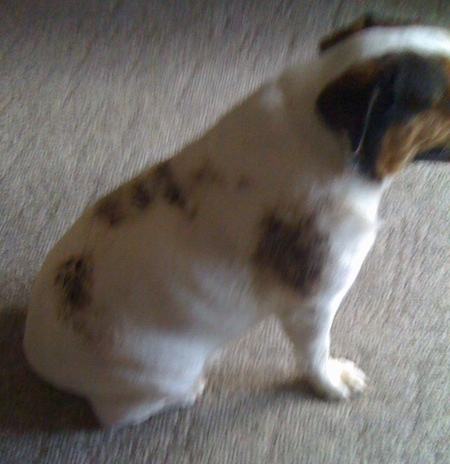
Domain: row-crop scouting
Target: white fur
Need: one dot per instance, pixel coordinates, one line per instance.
(168, 291)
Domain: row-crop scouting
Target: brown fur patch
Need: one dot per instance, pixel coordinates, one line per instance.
(143, 192)
(74, 277)
(294, 252)
(365, 22)
(110, 209)
(207, 174)
(170, 187)
(401, 143)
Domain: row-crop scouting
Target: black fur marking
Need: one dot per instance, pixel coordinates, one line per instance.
(159, 182)
(171, 189)
(174, 195)
(110, 209)
(143, 193)
(74, 278)
(207, 174)
(294, 252)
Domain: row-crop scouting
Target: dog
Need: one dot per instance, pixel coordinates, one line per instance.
(272, 211)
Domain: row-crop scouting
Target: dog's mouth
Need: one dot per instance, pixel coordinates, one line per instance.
(441, 154)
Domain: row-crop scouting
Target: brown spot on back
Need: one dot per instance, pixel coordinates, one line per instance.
(74, 278)
(174, 196)
(110, 209)
(143, 192)
(74, 282)
(294, 252)
(207, 174)
(171, 189)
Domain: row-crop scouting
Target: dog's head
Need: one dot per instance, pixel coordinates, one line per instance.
(395, 108)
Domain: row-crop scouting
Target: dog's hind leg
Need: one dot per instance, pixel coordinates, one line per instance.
(118, 411)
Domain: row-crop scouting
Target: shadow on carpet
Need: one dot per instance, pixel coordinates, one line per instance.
(26, 402)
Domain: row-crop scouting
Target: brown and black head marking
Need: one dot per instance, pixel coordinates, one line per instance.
(395, 109)
(294, 251)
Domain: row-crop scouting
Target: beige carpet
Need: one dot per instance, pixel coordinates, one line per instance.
(92, 91)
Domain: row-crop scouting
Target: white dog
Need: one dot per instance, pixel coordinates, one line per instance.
(272, 211)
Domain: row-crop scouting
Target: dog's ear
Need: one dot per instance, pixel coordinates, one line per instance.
(344, 102)
(365, 22)
(393, 108)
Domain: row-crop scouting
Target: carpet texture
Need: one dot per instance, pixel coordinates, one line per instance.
(91, 91)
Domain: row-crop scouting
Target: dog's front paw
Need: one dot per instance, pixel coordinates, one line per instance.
(339, 381)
